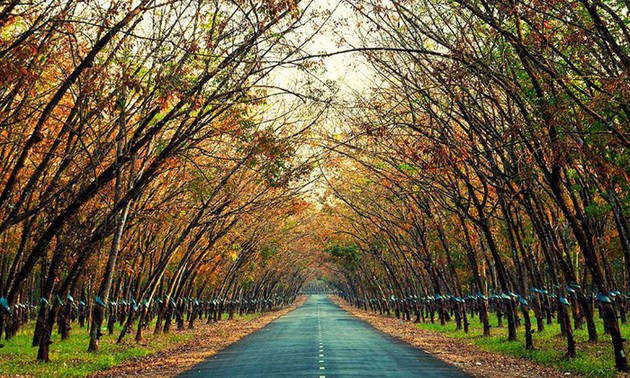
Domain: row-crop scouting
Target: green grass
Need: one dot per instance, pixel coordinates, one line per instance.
(69, 358)
(592, 360)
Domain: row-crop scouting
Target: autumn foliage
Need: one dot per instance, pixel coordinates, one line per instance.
(487, 169)
(139, 176)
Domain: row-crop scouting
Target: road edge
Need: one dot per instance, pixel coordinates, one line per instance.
(209, 340)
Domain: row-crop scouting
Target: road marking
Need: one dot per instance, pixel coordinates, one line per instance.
(321, 343)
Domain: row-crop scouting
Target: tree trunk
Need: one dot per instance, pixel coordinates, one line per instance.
(529, 342)
(563, 314)
(121, 218)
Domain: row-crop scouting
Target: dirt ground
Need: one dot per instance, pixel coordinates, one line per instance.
(207, 340)
(468, 357)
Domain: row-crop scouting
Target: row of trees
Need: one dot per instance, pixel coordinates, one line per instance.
(489, 164)
(142, 173)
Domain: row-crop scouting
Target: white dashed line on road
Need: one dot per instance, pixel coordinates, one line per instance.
(321, 343)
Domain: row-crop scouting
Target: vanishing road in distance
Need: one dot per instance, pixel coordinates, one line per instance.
(319, 339)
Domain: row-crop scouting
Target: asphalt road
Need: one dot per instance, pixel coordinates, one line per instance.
(321, 340)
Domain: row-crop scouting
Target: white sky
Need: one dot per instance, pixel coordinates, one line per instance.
(349, 71)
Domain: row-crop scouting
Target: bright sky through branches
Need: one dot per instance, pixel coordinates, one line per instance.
(334, 25)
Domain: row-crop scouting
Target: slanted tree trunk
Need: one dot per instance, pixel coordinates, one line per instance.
(120, 219)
